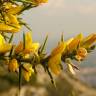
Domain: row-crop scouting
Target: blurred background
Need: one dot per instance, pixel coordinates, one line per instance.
(70, 17)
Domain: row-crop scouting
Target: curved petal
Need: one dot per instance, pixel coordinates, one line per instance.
(59, 49)
(54, 64)
(89, 40)
(4, 47)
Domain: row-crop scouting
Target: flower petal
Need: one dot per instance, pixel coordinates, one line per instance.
(74, 43)
(59, 49)
(54, 64)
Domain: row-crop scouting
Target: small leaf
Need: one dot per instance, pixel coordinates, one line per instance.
(74, 66)
(20, 78)
(44, 44)
(49, 73)
(24, 41)
(62, 37)
(26, 7)
(11, 38)
(11, 51)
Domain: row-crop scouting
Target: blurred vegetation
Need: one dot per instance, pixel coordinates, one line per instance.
(66, 85)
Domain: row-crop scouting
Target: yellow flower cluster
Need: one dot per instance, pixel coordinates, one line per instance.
(9, 18)
(55, 59)
(75, 47)
(29, 45)
(26, 49)
(10, 22)
(80, 45)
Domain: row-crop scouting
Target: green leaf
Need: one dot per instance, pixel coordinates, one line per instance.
(5, 36)
(20, 78)
(62, 37)
(51, 77)
(23, 40)
(44, 44)
(11, 52)
(11, 38)
(26, 7)
(24, 24)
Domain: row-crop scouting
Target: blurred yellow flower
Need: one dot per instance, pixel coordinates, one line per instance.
(11, 24)
(13, 65)
(27, 71)
(4, 47)
(29, 45)
(59, 49)
(74, 43)
(19, 48)
(54, 64)
(88, 41)
(12, 8)
(55, 58)
(7, 28)
(81, 53)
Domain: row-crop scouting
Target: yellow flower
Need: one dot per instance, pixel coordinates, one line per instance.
(12, 19)
(13, 65)
(27, 71)
(4, 47)
(59, 49)
(74, 43)
(12, 8)
(29, 45)
(26, 56)
(55, 58)
(8, 28)
(11, 25)
(19, 48)
(81, 53)
(88, 41)
(54, 64)
(67, 43)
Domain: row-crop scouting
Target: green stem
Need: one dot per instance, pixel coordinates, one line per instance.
(20, 79)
